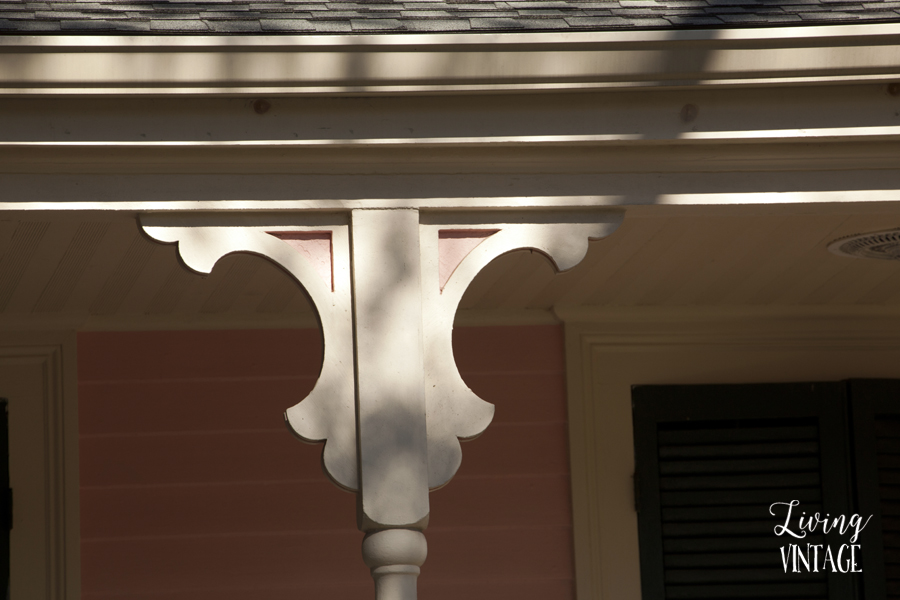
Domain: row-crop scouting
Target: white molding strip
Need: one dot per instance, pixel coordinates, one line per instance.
(608, 202)
(781, 136)
(419, 64)
(48, 541)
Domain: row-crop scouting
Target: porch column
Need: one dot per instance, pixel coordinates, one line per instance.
(391, 432)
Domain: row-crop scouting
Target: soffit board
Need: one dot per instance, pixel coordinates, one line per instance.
(676, 261)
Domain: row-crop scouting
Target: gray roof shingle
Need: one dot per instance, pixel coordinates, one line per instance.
(381, 16)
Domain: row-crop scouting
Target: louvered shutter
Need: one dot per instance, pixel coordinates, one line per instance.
(710, 462)
(876, 427)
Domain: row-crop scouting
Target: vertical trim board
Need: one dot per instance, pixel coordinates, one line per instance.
(52, 357)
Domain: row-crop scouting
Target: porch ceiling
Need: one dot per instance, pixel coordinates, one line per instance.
(100, 272)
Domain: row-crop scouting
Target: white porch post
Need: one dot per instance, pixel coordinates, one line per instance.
(389, 402)
(392, 437)
(391, 432)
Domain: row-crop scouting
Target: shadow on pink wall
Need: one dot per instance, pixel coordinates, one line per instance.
(192, 487)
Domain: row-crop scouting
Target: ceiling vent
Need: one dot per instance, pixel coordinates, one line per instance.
(884, 245)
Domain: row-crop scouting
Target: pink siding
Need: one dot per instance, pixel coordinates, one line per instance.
(191, 486)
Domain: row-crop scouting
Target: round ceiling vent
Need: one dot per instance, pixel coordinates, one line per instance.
(881, 244)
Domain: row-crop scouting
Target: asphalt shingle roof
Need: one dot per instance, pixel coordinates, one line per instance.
(397, 16)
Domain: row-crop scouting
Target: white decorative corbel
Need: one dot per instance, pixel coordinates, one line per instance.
(389, 403)
(329, 412)
(454, 411)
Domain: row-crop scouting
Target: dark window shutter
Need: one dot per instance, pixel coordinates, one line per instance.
(876, 428)
(710, 462)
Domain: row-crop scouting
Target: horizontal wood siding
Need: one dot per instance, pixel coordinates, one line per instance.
(191, 486)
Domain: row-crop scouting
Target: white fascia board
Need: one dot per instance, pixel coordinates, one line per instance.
(888, 199)
(887, 133)
(446, 63)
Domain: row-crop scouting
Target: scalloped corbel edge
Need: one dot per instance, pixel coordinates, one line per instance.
(328, 414)
(453, 411)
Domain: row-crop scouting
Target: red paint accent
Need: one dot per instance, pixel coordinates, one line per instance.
(192, 488)
(316, 247)
(454, 245)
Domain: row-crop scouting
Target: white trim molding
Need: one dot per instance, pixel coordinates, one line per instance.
(38, 376)
(446, 63)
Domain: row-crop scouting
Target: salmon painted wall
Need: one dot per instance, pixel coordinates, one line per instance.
(192, 487)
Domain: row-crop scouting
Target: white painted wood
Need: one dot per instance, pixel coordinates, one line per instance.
(329, 412)
(886, 197)
(394, 556)
(388, 309)
(411, 405)
(886, 133)
(661, 256)
(454, 411)
(37, 376)
(449, 63)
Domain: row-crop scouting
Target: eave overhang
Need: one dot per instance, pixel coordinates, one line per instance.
(790, 115)
(446, 63)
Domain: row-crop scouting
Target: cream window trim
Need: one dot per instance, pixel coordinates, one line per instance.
(38, 376)
(609, 351)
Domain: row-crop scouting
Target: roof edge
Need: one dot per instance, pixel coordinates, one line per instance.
(785, 35)
(447, 63)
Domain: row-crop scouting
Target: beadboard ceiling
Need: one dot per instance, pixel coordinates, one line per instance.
(100, 272)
